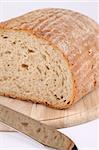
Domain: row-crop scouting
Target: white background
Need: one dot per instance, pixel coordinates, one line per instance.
(86, 136)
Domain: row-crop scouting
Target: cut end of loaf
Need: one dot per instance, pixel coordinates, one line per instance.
(31, 69)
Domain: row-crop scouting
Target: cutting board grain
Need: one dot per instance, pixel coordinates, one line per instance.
(83, 111)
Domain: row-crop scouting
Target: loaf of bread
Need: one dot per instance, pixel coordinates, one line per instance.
(49, 56)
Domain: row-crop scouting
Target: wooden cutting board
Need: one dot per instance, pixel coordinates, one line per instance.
(83, 111)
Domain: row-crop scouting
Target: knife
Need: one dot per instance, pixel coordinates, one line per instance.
(40, 132)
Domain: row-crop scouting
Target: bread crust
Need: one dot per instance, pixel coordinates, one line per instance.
(75, 35)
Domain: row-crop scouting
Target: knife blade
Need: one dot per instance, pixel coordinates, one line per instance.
(40, 132)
